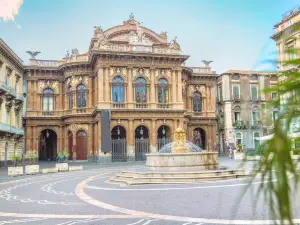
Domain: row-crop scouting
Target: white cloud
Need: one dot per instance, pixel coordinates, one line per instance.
(9, 9)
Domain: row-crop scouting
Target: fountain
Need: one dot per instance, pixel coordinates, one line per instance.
(176, 163)
(182, 155)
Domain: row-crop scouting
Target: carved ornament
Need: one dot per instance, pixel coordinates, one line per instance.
(77, 127)
(42, 84)
(163, 72)
(75, 80)
(137, 72)
(118, 71)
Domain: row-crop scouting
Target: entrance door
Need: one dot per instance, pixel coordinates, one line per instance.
(141, 143)
(48, 145)
(81, 145)
(163, 136)
(119, 148)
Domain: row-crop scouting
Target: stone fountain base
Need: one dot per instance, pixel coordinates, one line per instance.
(182, 161)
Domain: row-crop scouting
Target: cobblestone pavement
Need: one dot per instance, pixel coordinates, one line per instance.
(85, 197)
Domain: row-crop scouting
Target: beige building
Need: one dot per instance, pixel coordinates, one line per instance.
(287, 38)
(121, 99)
(241, 107)
(11, 103)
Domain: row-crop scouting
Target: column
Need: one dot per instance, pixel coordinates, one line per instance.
(107, 92)
(90, 92)
(66, 139)
(29, 95)
(130, 88)
(35, 139)
(100, 85)
(174, 100)
(99, 136)
(130, 141)
(179, 86)
(59, 140)
(153, 140)
(34, 94)
(152, 88)
(208, 94)
(90, 140)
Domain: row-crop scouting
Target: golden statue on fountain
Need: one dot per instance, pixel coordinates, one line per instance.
(180, 144)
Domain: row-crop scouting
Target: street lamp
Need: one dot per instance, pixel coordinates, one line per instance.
(47, 134)
(141, 132)
(118, 132)
(163, 131)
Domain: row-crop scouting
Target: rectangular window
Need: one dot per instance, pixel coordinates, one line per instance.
(7, 80)
(274, 96)
(236, 92)
(220, 93)
(254, 93)
(275, 115)
(237, 116)
(255, 116)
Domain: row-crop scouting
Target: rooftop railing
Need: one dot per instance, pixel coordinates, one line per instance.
(290, 12)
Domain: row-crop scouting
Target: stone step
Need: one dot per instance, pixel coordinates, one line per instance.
(179, 174)
(171, 180)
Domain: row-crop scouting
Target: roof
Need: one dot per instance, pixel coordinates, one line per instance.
(248, 72)
(10, 51)
(288, 15)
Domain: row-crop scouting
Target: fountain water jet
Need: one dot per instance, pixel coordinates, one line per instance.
(182, 155)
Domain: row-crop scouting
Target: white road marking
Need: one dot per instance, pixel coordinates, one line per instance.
(71, 222)
(21, 221)
(149, 221)
(136, 222)
(187, 223)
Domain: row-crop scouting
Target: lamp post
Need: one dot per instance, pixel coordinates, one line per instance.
(142, 132)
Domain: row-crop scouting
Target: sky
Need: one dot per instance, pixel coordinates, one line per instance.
(234, 34)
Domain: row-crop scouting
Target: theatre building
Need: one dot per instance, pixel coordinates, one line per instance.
(121, 99)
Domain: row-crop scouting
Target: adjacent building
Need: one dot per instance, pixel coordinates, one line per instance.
(241, 107)
(287, 38)
(11, 103)
(121, 99)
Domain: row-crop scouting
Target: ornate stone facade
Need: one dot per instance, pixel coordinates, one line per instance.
(135, 74)
(11, 104)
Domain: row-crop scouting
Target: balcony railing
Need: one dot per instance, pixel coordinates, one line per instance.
(162, 106)
(19, 97)
(141, 105)
(81, 110)
(236, 98)
(256, 124)
(4, 87)
(6, 128)
(118, 105)
(48, 113)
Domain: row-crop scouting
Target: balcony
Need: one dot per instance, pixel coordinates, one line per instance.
(6, 128)
(238, 124)
(141, 105)
(256, 124)
(162, 106)
(119, 105)
(48, 113)
(236, 98)
(19, 98)
(81, 110)
(4, 88)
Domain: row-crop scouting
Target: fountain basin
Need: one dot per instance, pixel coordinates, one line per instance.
(182, 161)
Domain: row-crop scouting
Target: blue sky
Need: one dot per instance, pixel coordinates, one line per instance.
(233, 33)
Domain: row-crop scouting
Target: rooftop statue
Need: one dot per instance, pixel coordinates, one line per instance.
(206, 63)
(33, 53)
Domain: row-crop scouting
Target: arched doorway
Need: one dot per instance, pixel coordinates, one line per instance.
(81, 145)
(163, 136)
(199, 138)
(70, 145)
(119, 148)
(48, 145)
(141, 143)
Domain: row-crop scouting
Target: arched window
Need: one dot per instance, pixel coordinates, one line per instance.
(70, 97)
(239, 138)
(118, 89)
(256, 140)
(140, 90)
(163, 95)
(81, 96)
(197, 107)
(48, 100)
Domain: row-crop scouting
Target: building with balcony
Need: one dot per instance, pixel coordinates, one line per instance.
(241, 107)
(287, 38)
(120, 100)
(11, 103)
